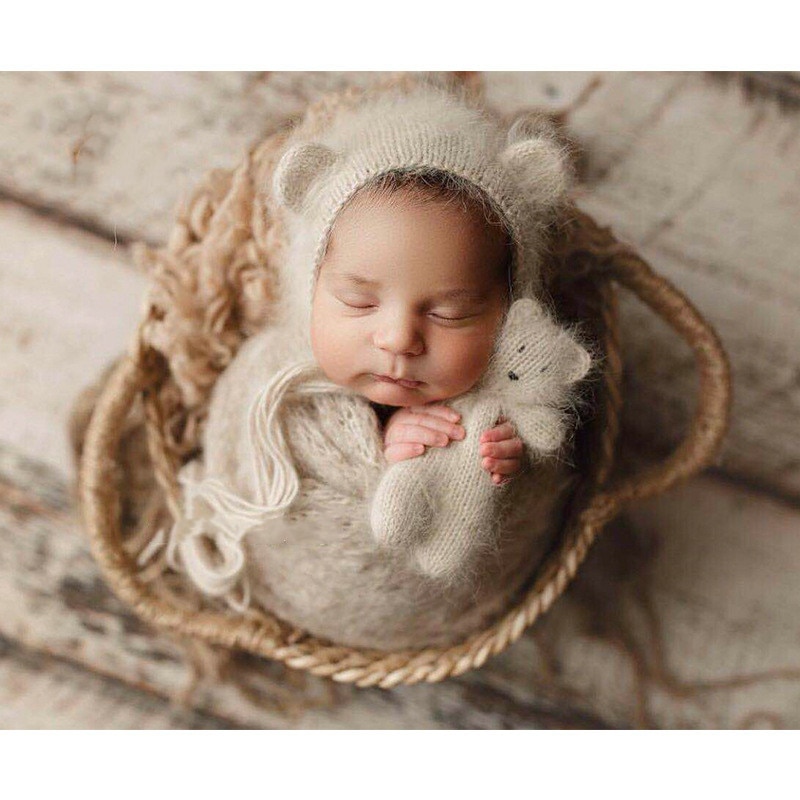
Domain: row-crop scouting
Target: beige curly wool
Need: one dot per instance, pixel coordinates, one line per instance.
(292, 461)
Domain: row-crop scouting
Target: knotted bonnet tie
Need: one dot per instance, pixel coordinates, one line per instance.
(213, 513)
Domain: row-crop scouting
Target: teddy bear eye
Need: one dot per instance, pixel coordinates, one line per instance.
(521, 349)
(513, 376)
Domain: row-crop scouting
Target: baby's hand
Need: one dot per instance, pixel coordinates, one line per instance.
(410, 430)
(502, 451)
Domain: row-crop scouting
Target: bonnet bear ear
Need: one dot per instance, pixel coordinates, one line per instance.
(298, 169)
(539, 162)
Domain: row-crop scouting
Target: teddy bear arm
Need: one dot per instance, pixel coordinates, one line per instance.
(541, 428)
(460, 537)
(463, 526)
(401, 513)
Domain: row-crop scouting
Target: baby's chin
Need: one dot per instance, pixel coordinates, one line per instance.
(391, 394)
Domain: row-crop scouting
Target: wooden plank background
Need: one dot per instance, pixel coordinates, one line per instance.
(685, 615)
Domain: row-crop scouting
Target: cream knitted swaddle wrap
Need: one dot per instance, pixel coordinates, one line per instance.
(317, 565)
(291, 461)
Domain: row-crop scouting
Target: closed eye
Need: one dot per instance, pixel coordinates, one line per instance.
(353, 305)
(435, 316)
(452, 319)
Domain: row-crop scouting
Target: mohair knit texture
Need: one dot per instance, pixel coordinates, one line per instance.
(441, 508)
(317, 565)
(523, 172)
(292, 462)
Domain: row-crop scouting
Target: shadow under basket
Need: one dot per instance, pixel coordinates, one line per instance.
(590, 265)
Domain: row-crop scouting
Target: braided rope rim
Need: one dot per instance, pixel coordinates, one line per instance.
(362, 667)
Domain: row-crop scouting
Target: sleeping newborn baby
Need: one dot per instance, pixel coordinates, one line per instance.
(411, 293)
(412, 219)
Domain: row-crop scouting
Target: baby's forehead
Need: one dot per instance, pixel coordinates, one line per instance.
(373, 201)
(432, 253)
(380, 214)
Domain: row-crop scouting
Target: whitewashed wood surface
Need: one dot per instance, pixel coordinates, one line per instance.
(685, 615)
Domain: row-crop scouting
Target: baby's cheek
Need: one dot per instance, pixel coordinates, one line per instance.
(339, 360)
(333, 347)
(465, 359)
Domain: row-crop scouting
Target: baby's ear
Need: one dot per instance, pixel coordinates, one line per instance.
(537, 159)
(298, 169)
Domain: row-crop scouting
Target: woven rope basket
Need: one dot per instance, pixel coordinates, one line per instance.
(210, 248)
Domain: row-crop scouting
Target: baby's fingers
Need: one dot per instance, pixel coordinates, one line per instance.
(499, 433)
(501, 466)
(422, 428)
(407, 432)
(400, 452)
(508, 448)
(445, 412)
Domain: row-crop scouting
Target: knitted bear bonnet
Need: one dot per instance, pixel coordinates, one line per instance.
(522, 173)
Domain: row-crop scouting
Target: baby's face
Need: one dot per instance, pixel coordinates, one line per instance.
(412, 290)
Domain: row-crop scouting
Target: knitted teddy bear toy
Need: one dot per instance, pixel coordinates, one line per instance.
(441, 507)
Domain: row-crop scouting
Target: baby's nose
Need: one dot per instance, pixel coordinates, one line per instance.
(400, 340)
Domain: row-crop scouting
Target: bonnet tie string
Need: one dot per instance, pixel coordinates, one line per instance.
(212, 513)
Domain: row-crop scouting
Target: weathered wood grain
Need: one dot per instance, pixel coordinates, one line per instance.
(70, 305)
(710, 190)
(684, 616)
(701, 173)
(703, 176)
(40, 692)
(117, 151)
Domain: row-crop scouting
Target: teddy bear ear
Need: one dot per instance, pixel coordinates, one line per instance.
(578, 361)
(522, 311)
(298, 169)
(537, 160)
